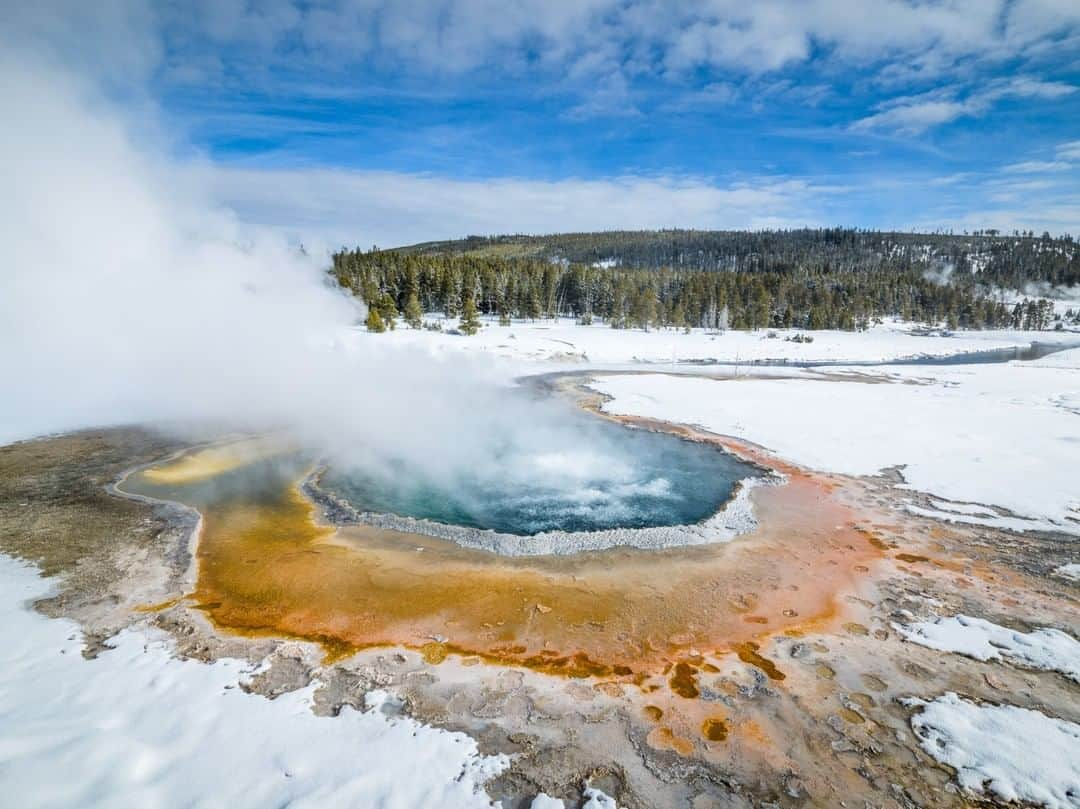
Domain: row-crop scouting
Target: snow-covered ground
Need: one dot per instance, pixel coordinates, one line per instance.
(1001, 435)
(1012, 753)
(598, 344)
(1046, 649)
(136, 727)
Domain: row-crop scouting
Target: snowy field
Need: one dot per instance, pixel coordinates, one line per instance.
(136, 727)
(563, 340)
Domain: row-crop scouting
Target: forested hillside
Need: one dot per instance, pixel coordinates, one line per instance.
(809, 279)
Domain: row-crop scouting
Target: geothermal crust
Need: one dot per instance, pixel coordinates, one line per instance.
(824, 711)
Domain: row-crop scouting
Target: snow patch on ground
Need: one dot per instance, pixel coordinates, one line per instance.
(137, 727)
(1018, 524)
(1070, 571)
(595, 799)
(971, 509)
(1046, 649)
(543, 801)
(1013, 754)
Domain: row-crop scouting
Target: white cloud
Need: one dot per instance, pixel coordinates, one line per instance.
(336, 207)
(1069, 151)
(1037, 166)
(913, 115)
(672, 36)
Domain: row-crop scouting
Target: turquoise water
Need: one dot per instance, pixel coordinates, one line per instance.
(608, 476)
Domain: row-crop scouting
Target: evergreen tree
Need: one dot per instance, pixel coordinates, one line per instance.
(678, 317)
(644, 309)
(387, 309)
(470, 319)
(414, 316)
(374, 321)
(532, 306)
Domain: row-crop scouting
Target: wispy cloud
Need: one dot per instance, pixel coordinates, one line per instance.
(1037, 166)
(1069, 151)
(913, 115)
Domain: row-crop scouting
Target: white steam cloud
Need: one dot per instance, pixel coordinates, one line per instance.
(128, 297)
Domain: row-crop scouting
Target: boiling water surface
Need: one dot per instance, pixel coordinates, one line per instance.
(608, 477)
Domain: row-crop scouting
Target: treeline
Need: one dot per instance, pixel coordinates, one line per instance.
(812, 295)
(993, 259)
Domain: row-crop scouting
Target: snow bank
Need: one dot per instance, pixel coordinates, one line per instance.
(136, 727)
(1003, 751)
(1071, 571)
(563, 340)
(976, 434)
(1047, 649)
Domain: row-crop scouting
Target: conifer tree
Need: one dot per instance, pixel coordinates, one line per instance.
(678, 317)
(374, 321)
(414, 316)
(644, 308)
(470, 319)
(532, 306)
(387, 310)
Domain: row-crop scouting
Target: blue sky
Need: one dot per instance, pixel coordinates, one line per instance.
(364, 120)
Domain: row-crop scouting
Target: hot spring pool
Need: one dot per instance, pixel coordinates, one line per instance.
(608, 477)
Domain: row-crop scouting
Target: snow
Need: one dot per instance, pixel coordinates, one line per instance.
(595, 799)
(970, 509)
(992, 434)
(1069, 358)
(563, 340)
(543, 801)
(1046, 649)
(1018, 524)
(1070, 571)
(1004, 751)
(136, 727)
